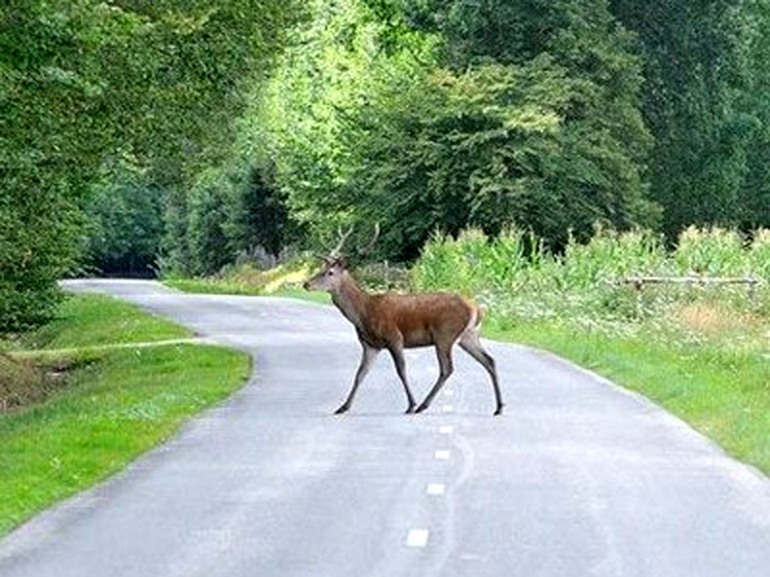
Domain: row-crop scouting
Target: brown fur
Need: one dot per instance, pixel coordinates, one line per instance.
(394, 321)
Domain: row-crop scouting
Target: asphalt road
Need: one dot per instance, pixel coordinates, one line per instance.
(577, 478)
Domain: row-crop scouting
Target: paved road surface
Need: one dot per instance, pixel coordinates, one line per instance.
(578, 478)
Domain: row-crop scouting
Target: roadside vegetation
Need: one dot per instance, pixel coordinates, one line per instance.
(77, 402)
(701, 351)
(176, 138)
(251, 279)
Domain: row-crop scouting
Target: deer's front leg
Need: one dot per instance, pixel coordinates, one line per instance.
(367, 357)
(398, 359)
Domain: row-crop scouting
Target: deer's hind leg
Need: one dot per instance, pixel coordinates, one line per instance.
(444, 354)
(470, 343)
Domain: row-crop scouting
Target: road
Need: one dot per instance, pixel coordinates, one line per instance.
(578, 477)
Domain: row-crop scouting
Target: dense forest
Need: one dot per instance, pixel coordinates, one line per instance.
(162, 137)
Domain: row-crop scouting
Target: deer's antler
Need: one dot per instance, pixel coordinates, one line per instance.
(336, 252)
(367, 249)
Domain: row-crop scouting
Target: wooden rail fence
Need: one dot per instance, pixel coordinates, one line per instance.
(751, 283)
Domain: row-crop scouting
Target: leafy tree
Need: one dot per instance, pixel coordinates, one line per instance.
(205, 231)
(124, 213)
(755, 194)
(490, 147)
(698, 72)
(306, 123)
(83, 79)
(258, 217)
(425, 115)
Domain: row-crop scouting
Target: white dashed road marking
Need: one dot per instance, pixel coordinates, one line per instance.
(417, 538)
(436, 489)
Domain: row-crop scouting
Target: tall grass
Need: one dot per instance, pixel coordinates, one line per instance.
(585, 285)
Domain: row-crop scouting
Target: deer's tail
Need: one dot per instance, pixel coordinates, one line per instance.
(477, 314)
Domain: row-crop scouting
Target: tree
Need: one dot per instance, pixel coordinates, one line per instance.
(425, 115)
(125, 222)
(81, 80)
(698, 73)
(258, 217)
(490, 147)
(755, 194)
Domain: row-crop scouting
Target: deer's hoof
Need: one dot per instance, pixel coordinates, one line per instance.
(342, 409)
(421, 408)
(499, 411)
(409, 410)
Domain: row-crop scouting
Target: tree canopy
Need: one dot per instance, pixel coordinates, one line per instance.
(142, 136)
(83, 82)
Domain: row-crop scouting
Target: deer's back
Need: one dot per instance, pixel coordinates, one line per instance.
(419, 319)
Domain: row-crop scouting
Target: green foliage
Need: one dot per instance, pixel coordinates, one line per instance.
(706, 105)
(583, 285)
(717, 252)
(306, 120)
(205, 235)
(82, 81)
(258, 218)
(373, 118)
(754, 200)
(228, 214)
(125, 223)
(422, 115)
(81, 322)
(493, 146)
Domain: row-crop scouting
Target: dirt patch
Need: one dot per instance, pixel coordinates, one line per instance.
(24, 382)
(712, 320)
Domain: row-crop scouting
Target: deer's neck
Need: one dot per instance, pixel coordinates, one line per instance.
(351, 301)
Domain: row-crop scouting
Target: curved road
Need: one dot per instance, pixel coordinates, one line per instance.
(578, 478)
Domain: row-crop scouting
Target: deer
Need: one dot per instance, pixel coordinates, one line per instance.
(392, 321)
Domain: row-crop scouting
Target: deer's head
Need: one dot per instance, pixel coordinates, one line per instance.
(330, 278)
(335, 272)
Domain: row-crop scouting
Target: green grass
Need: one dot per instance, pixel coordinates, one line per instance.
(95, 320)
(213, 286)
(285, 280)
(724, 394)
(111, 409)
(223, 286)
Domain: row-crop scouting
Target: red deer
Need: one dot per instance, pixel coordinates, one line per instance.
(397, 321)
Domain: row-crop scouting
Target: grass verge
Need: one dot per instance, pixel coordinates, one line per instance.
(96, 320)
(723, 393)
(116, 404)
(222, 286)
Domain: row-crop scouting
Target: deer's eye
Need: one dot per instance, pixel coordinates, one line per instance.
(329, 273)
